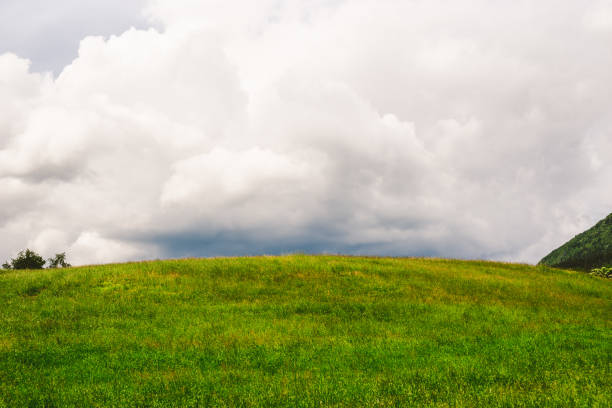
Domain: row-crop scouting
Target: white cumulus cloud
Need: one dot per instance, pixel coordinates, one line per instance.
(471, 129)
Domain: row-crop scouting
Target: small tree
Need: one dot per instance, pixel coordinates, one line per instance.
(59, 261)
(25, 260)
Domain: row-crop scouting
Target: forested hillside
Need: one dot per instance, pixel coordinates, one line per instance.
(590, 249)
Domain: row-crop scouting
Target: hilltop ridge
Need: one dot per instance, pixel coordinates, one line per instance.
(306, 331)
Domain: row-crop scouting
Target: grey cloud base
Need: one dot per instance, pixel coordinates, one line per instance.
(468, 130)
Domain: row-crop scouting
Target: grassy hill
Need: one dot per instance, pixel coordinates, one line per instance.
(591, 249)
(305, 331)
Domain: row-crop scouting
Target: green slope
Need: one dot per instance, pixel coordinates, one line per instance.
(591, 249)
(305, 331)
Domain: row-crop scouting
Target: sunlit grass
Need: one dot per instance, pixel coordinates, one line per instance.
(305, 331)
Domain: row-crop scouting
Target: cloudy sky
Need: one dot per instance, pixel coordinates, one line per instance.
(168, 128)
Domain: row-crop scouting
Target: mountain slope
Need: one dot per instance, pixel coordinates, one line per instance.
(590, 249)
(305, 331)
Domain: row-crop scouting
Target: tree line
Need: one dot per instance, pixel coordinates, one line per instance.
(28, 259)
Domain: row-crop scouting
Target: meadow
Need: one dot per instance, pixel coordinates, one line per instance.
(305, 331)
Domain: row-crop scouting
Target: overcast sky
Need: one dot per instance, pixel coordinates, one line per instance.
(168, 128)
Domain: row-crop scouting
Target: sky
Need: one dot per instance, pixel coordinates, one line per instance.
(472, 129)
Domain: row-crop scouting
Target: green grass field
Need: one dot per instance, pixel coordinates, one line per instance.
(305, 331)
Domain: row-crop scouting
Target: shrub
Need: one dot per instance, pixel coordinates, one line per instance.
(25, 260)
(59, 261)
(602, 272)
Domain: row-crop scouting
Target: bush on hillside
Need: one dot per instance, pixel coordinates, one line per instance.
(27, 259)
(602, 272)
(59, 261)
